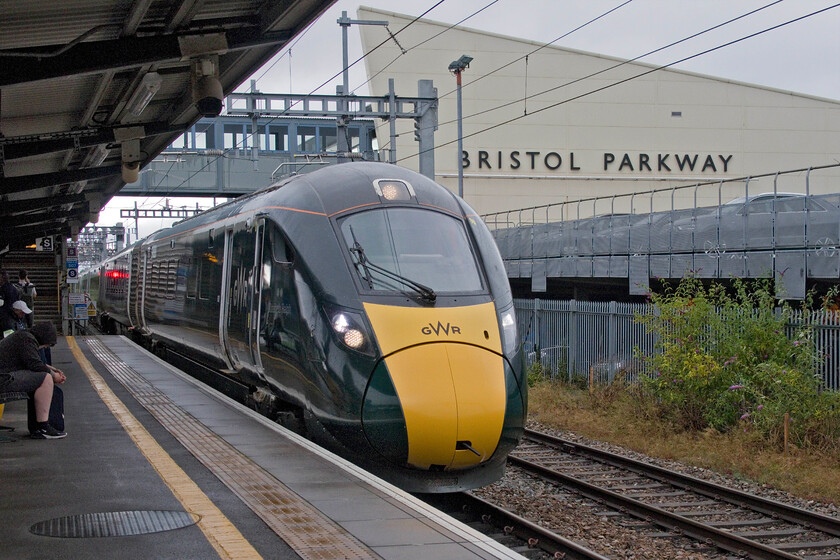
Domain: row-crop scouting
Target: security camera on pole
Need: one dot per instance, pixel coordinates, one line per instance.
(456, 67)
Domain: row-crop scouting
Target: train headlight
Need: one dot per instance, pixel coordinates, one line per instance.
(510, 339)
(351, 330)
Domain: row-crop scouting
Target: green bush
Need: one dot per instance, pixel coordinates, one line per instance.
(726, 359)
(536, 374)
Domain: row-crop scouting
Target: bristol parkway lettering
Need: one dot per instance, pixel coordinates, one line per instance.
(684, 162)
(624, 163)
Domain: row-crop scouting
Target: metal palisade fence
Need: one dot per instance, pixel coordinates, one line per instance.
(597, 341)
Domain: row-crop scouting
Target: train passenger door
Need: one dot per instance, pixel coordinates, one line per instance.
(240, 248)
(281, 341)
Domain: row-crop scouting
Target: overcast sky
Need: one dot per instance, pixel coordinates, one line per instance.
(803, 56)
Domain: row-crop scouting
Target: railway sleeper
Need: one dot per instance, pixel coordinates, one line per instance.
(807, 545)
(771, 533)
(704, 503)
(640, 486)
(742, 523)
(705, 513)
(660, 495)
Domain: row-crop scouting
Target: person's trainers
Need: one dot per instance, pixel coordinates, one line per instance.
(48, 433)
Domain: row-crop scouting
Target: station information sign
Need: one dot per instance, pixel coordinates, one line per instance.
(72, 265)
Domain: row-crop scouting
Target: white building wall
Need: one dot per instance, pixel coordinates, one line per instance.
(733, 129)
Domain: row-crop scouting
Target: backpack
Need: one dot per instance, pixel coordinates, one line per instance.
(25, 294)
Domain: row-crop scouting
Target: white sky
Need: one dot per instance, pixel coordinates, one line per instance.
(802, 57)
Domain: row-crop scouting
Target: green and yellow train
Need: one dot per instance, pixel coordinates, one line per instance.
(362, 303)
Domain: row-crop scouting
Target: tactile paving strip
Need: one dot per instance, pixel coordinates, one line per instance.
(311, 534)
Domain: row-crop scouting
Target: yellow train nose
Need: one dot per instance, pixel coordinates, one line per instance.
(453, 401)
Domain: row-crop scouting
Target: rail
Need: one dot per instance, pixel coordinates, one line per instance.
(755, 527)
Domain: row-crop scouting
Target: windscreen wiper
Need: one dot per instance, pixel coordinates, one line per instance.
(361, 258)
(425, 292)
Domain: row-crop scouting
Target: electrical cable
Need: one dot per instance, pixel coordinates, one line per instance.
(246, 137)
(525, 98)
(613, 67)
(475, 13)
(645, 73)
(544, 45)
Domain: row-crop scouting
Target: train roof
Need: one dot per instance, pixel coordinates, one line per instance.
(328, 192)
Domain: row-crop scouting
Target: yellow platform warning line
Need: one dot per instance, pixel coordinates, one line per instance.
(219, 531)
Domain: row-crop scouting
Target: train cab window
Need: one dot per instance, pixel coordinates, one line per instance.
(423, 246)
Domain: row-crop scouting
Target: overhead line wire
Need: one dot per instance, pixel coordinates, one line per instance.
(475, 13)
(613, 67)
(656, 69)
(247, 136)
(525, 57)
(541, 47)
(509, 63)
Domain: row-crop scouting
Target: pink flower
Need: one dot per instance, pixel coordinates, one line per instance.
(733, 387)
(745, 416)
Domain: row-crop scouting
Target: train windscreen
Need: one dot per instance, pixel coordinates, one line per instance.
(420, 246)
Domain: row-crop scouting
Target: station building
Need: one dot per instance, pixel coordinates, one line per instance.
(604, 127)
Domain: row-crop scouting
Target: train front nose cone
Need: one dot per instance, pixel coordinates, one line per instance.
(453, 402)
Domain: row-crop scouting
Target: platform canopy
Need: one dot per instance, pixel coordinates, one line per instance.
(92, 90)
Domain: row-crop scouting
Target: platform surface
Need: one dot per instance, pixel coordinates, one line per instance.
(151, 443)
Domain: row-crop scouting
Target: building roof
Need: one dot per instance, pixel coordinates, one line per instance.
(70, 72)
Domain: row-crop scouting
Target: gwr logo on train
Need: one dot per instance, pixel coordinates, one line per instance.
(441, 328)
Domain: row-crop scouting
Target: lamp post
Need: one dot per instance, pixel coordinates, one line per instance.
(456, 67)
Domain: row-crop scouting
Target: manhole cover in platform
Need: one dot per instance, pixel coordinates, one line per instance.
(114, 524)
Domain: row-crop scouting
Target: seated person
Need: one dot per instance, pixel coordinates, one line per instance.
(22, 370)
(21, 311)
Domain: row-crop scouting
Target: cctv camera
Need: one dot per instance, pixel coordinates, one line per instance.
(208, 96)
(130, 171)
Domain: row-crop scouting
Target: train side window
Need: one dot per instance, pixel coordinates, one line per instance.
(192, 278)
(210, 279)
(172, 279)
(205, 287)
(280, 251)
(154, 277)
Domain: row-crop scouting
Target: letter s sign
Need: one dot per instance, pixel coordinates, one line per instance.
(44, 244)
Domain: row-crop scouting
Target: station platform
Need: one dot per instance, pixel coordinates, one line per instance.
(157, 465)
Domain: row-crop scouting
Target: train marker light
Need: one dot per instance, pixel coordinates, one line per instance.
(354, 338)
(393, 190)
(509, 339)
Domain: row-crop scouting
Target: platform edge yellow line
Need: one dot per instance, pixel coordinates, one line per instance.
(222, 535)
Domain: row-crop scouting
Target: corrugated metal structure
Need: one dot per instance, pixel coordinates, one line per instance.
(92, 90)
(783, 233)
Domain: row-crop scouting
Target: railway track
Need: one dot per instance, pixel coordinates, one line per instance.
(743, 524)
(515, 532)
